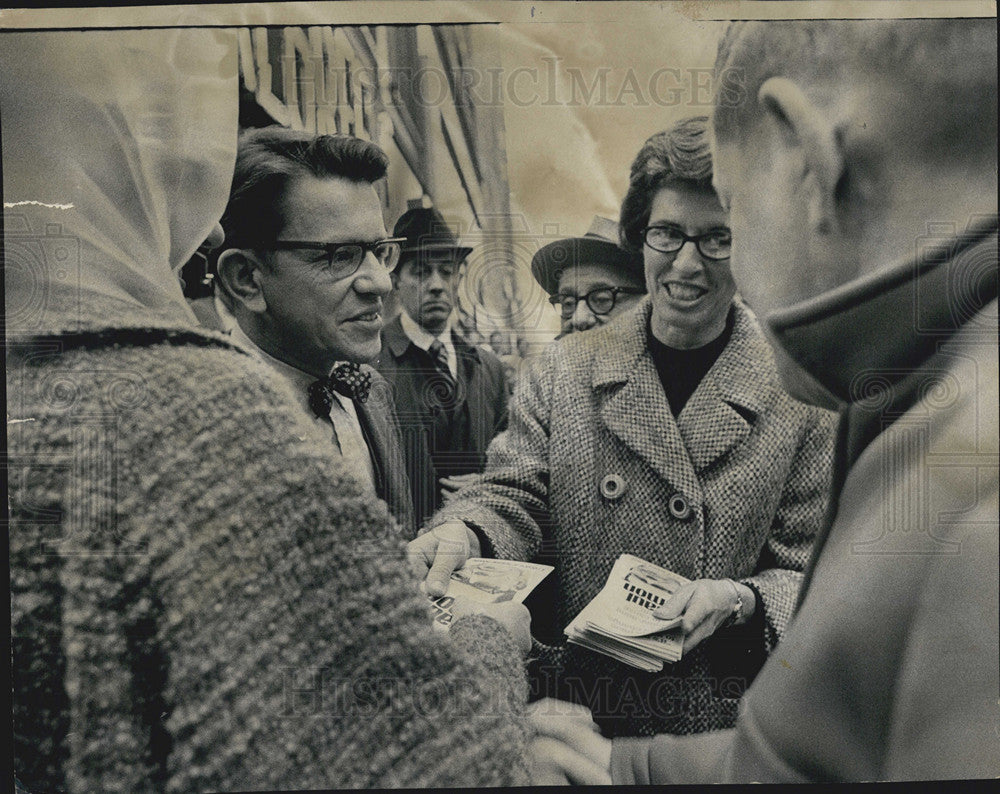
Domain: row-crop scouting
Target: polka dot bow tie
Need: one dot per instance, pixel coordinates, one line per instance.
(348, 379)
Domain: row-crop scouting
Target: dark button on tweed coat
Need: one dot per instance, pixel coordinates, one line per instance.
(752, 463)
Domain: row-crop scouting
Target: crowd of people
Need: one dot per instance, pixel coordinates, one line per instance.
(227, 514)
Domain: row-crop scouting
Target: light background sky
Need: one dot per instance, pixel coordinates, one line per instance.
(569, 160)
(568, 156)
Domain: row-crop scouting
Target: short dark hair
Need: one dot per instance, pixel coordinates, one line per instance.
(948, 65)
(268, 158)
(678, 156)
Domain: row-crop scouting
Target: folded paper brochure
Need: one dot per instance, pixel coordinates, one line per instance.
(619, 621)
(489, 582)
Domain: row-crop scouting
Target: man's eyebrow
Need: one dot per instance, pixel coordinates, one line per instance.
(334, 243)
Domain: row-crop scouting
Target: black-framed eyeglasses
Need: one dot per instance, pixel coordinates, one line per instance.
(344, 259)
(716, 244)
(600, 301)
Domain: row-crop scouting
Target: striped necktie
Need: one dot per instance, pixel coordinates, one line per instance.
(440, 356)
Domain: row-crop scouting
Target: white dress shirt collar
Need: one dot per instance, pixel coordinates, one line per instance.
(424, 339)
(226, 317)
(347, 432)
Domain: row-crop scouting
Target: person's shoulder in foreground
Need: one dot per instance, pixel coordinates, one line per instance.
(266, 658)
(203, 597)
(891, 667)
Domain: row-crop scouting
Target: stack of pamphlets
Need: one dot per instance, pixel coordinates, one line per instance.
(619, 621)
(489, 582)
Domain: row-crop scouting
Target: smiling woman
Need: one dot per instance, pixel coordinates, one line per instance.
(691, 285)
(722, 476)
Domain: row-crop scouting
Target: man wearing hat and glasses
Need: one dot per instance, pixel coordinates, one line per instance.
(590, 279)
(307, 263)
(450, 395)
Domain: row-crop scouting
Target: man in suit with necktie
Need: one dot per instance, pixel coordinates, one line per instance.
(307, 262)
(450, 395)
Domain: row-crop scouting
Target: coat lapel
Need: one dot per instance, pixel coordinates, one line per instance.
(635, 407)
(374, 430)
(395, 338)
(738, 388)
(468, 361)
(392, 485)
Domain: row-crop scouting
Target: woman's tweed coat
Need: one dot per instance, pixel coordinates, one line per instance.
(204, 599)
(752, 464)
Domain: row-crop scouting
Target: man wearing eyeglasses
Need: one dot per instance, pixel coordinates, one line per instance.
(307, 262)
(590, 279)
(450, 395)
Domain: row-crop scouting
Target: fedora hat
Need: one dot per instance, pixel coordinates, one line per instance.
(426, 230)
(598, 246)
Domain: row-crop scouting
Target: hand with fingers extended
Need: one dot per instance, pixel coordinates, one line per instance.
(705, 605)
(567, 748)
(439, 552)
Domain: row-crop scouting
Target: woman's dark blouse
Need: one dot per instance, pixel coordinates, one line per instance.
(681, 371)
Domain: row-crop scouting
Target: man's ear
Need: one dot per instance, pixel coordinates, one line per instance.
(803, 125)
(239, 270)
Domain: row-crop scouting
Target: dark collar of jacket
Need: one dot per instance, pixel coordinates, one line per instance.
(720, 413)
(398, 342)
(870, 334)
(869, 345)
(872, 344)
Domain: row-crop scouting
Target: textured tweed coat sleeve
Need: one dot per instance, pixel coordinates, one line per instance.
(203, 599)
(735, 487)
